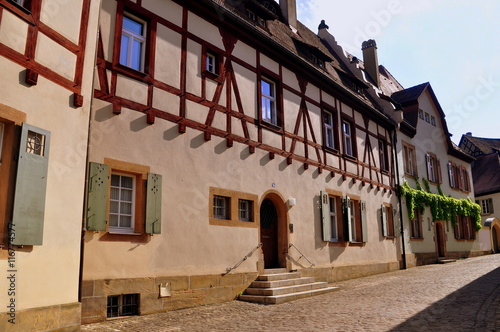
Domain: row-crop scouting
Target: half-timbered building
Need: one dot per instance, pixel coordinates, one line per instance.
(226, 139)
(46, 64)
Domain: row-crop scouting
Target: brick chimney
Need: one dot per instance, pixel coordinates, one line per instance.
(370, 59)
(289, 10)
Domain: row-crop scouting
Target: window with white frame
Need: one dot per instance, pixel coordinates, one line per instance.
(348, 139)
(329, 128)
(211, 63)
(245, 210)
(486, 205)
(221, 207)
(433, 121)
(410, 162)
(334, 219)
(427, 117)
(269, 111)
(133, 42)
(421, 114)
(433, 168)
(122, 203)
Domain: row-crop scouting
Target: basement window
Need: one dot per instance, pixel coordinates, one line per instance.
(123, 305)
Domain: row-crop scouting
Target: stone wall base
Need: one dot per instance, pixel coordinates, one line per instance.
(338, 273)
(420, 259)
(186, 291)
(63, 317)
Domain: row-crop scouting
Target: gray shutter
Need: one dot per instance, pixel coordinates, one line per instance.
(97, 197)
(31, 184)
(364, 223)
(394, 224)
(383, 214)
(347, 217)
(490, 205)
(325, 216)
(428, 163)
(153, 204)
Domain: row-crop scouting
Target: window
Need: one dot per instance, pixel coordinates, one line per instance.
(433, 121)
(416, 226)
(355, 213)
(384, 160)
(464, 230)
(333, 219)
(211, 63)
(122, 305)
(486, 205)
(410, 161)
(23, 3)
(35, 143)
(329, 130)
(433, 168)
(269, 110)
(458, 176)
(387, 221)
(348, 138)
(421, 114)
(250, 14)
(232, 208)
(123, 199)
(122, 203)
(427, 117)
(245, 208)
(133, 41)
(221, 207)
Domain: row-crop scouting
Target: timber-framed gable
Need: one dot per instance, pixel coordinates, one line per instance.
(234, 116)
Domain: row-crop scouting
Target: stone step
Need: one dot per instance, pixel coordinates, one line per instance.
(274, 271)
(282, 283)
(285, 290)
(277, 299)
(278, 276)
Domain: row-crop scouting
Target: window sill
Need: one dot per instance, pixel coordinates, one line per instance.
(349, 157)
(330, 150)
(271, 126)
(213, 76)
(356, 244)
(337, 244)
(124, 233)
(416, 239)
(130, 72)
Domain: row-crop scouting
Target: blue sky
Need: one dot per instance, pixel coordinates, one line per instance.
(453, 44)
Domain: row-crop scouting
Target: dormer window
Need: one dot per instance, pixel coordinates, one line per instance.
(251, 15)
(256, 18)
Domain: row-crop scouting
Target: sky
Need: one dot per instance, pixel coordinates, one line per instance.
(452, 44)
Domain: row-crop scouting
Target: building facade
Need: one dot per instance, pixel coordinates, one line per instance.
(486, 186)
(46, 60)
(223, 131)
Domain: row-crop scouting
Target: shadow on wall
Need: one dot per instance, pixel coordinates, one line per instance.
(471, 308)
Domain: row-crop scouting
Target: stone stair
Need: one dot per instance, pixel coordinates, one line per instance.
(444, 260)
(278, 286)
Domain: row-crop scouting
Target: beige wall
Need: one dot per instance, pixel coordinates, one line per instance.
(47, 275)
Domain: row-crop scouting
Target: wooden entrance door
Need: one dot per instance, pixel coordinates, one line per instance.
(269, 233)
(494, 234)
(440, 240)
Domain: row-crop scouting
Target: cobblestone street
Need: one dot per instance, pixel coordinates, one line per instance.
(459, 296)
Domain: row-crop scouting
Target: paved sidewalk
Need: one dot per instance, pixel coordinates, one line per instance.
(460, 296)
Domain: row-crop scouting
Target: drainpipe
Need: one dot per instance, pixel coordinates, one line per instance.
(398, 183)
(84, 214)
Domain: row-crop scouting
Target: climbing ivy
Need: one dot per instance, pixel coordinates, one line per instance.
(442, 207)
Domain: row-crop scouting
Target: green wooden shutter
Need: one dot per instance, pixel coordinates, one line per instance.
(346, 202)
(97, 196)
(31, 184)
(364, 222)
(153, 204)
(325, 216)
(383, 214)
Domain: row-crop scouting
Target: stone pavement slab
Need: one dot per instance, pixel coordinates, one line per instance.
(460, 296)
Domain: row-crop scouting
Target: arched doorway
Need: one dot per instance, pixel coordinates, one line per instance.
(495, 233)
(269, 233)
(274, 230)
(440, 240)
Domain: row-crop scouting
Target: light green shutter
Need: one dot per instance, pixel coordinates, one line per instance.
(97, 196)
(153, 204)
(325, 216)
(364, 222)
(347, 218)
(31, 184)
(383, 213)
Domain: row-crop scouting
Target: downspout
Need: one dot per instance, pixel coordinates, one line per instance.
(398, 184)
(84, 214)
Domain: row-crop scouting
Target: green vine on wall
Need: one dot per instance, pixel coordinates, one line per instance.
(442, 207)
